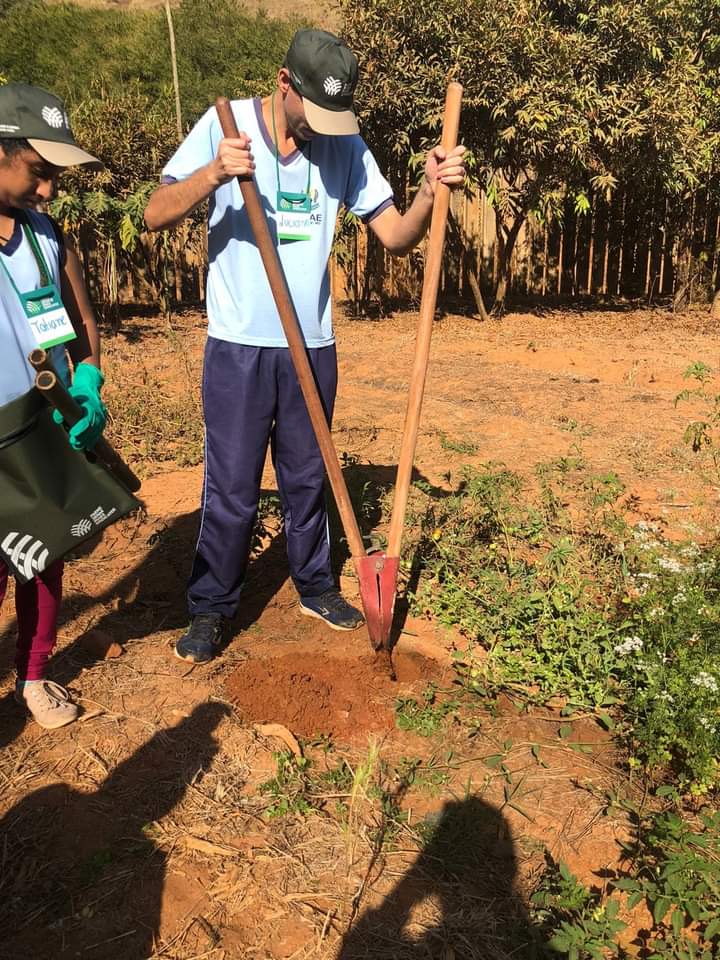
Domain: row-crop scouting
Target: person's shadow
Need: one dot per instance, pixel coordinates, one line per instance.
(458, 899)
(82, 869)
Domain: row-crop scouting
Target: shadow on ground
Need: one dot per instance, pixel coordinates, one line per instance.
(458, 900)
(81, 873)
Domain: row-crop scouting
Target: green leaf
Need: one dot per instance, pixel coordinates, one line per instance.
(660, 908)
(635, 898)
(677, 921)
(559, 943)
(712, 929)
(607, 721)
(611, 909)
(626, 883)
(666, 791)
(495, 760)
(565, 731)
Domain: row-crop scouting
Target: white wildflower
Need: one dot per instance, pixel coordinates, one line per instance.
(706, 680)
(679, 598)
(706, 724)
(655, 613)
(667, 697)
(629, 645)
(669, 564)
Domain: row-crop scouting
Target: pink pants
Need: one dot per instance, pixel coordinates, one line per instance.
(37, 604)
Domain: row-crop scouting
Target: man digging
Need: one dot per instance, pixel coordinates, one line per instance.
(303, 147)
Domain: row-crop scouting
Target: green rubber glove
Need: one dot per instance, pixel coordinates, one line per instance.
(85, 388)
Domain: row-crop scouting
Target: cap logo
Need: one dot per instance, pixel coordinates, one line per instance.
(53, 117)
(332, 87)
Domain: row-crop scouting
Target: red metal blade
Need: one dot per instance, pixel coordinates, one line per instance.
(377, 575)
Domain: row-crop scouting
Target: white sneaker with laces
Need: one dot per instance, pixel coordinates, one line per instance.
(48, 702)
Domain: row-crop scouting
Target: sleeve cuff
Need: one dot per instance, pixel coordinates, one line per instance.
(378, 210)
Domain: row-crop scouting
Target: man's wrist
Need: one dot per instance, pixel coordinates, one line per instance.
(213, 176)
(426, 190)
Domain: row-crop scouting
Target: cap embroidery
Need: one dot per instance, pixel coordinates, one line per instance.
(53, 117)
(332, 87)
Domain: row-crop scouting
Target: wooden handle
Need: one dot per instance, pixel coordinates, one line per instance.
(291, 326)
(53, 390)
(433, 266)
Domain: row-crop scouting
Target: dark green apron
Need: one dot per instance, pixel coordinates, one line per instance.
(52, 497)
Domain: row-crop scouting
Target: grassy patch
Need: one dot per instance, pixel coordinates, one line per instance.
(559, 597)
(672, 867)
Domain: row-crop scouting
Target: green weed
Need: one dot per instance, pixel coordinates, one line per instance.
(457, 446)
(672, 866)
(575, 921)
(423, 717)
(569, 601)
(289, 790)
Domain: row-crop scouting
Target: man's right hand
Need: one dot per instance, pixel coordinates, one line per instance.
(233, 159)
(172, 202)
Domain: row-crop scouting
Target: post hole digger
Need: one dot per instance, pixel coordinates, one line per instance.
(376, 572)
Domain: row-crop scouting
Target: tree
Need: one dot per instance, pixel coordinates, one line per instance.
(563, 98)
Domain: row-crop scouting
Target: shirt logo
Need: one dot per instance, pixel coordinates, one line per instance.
(332, 87)
(53, 117)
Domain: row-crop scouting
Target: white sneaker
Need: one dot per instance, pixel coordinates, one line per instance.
(48, 702)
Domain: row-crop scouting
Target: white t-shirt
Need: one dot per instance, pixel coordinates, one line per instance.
(342, 171)
(16, 337)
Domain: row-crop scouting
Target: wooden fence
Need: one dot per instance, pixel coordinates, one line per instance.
(628, 248)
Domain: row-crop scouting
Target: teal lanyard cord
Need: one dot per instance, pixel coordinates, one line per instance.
(277, 152)
(37, 253)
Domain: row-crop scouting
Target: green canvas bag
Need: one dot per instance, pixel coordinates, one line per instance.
(52, 497)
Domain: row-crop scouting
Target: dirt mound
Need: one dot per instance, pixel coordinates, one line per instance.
(310, 694)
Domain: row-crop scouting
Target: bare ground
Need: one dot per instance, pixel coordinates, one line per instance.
(141, 831)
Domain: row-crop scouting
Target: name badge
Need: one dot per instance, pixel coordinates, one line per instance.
(48, 318)
(293, 216)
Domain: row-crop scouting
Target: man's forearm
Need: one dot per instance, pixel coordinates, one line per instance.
(400, 233)
(415, 220)
(172, 202)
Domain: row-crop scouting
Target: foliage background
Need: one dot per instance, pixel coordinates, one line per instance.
(582, 117)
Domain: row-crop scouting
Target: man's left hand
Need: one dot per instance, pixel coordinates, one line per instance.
(447, 168)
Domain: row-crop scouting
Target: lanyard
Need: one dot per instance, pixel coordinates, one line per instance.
(277, 152)
(42, 266)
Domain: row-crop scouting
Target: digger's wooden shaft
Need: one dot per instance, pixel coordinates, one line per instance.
(433, 265)
(289, 320)
(52, 388)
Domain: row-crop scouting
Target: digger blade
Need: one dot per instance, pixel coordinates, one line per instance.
(377, 575)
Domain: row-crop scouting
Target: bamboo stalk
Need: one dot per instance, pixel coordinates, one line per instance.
(621, 252)
(606, 252)
(173, 62)
(561, 257)
(591, 250)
